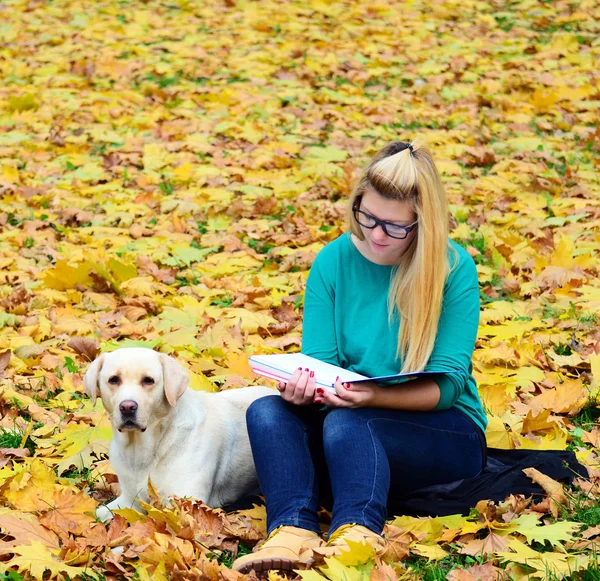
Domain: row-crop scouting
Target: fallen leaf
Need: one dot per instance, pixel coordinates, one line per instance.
(553, 489)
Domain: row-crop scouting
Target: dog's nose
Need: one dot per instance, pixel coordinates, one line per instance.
(128, 407)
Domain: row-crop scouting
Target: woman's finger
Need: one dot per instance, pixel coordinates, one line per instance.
(331, 399)
(299, 396)
(342, 391)
(311, 386)
(292, 381)
(290, 386)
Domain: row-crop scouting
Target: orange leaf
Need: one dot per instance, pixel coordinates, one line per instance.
(553, 488)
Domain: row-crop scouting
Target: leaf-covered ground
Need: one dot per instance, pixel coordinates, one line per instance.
(168, 171)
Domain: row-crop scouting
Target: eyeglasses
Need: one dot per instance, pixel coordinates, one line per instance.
(391, 230)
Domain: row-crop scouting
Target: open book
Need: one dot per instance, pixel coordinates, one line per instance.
(282, 367)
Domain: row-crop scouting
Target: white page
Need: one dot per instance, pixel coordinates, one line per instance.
(288, 363)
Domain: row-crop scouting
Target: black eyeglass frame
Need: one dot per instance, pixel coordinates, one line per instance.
(407, 229)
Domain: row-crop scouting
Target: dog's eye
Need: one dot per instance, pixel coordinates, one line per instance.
(148, 381)
(114, 380)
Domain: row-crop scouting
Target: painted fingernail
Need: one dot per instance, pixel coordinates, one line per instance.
(299, 368)
(312, 374)
(337, 378)
(319, 390)
(306, 369)
(347, 385)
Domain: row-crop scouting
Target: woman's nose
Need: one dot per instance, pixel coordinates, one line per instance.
(379, 233)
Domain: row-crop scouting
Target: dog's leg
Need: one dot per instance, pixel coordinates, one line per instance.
(104, 513)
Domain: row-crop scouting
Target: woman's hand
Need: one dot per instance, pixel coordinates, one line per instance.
(300, 388)
(349, 395)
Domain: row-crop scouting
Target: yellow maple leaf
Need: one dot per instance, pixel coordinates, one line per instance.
(497, 434)
(337, 571)
(65, 276)
(36, 559)
(155, 156)
(78, 436)
(430, 552)
(32, 490)
(158, 574)
(357, 554)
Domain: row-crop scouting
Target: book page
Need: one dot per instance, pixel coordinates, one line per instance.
(283, 366)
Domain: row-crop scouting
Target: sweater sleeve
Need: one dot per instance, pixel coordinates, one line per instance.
(318, 326)
(457, 332)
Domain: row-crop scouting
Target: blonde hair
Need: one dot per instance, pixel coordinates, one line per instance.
(406, 172)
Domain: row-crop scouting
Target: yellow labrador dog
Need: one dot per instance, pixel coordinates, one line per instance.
(189, 443)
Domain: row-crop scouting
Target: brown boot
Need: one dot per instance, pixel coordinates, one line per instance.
(350, 532)
(285, 549)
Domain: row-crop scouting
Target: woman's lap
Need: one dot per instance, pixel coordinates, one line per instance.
(368, 452)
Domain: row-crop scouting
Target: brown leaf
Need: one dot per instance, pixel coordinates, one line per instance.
(483, 547)
(14, 452)
(146, 303)
(398, 544)
(488, 509)
(553, 488)
(514, 505)
(17, 302)
(383, 572)
(591, 532)
(230, 575)
(97, 535)
(592, 437)
(485, 572)
(201, 523)
(538, 423)
(247, 525)
(68, 512)
(84, 346)
(24, 528)
(4, 361)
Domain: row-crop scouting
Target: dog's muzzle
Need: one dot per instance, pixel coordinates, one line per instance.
(128, 410)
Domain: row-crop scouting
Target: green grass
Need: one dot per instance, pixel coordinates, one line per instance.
(427, 570)
(13, 438)
(227, 557)
(80, 476)
(582, 507)
(588, 416)
(592, 573)
(584, 421)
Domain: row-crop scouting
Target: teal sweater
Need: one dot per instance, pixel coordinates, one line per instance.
(346, 322)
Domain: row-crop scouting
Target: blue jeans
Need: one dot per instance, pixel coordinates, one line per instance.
(357, 458)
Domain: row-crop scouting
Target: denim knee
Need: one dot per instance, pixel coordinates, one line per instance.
(339, 424)
(263, 412)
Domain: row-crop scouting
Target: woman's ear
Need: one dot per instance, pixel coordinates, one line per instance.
(90, 379)
(175, 378)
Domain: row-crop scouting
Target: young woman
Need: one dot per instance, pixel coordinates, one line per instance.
(393, 294)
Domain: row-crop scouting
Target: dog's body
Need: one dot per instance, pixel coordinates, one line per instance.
(188, 443)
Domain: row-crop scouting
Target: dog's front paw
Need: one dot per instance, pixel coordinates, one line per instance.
(104, 513)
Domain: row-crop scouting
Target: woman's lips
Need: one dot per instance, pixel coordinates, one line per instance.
(378, 245)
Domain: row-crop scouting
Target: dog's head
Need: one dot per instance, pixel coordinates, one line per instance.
(135, 384)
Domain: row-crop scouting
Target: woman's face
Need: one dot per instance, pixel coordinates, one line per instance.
(377, 246)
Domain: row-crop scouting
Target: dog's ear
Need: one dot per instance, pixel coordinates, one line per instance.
(175, 378)
(90, 379)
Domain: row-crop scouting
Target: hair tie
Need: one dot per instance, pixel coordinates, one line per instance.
(410, 147)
